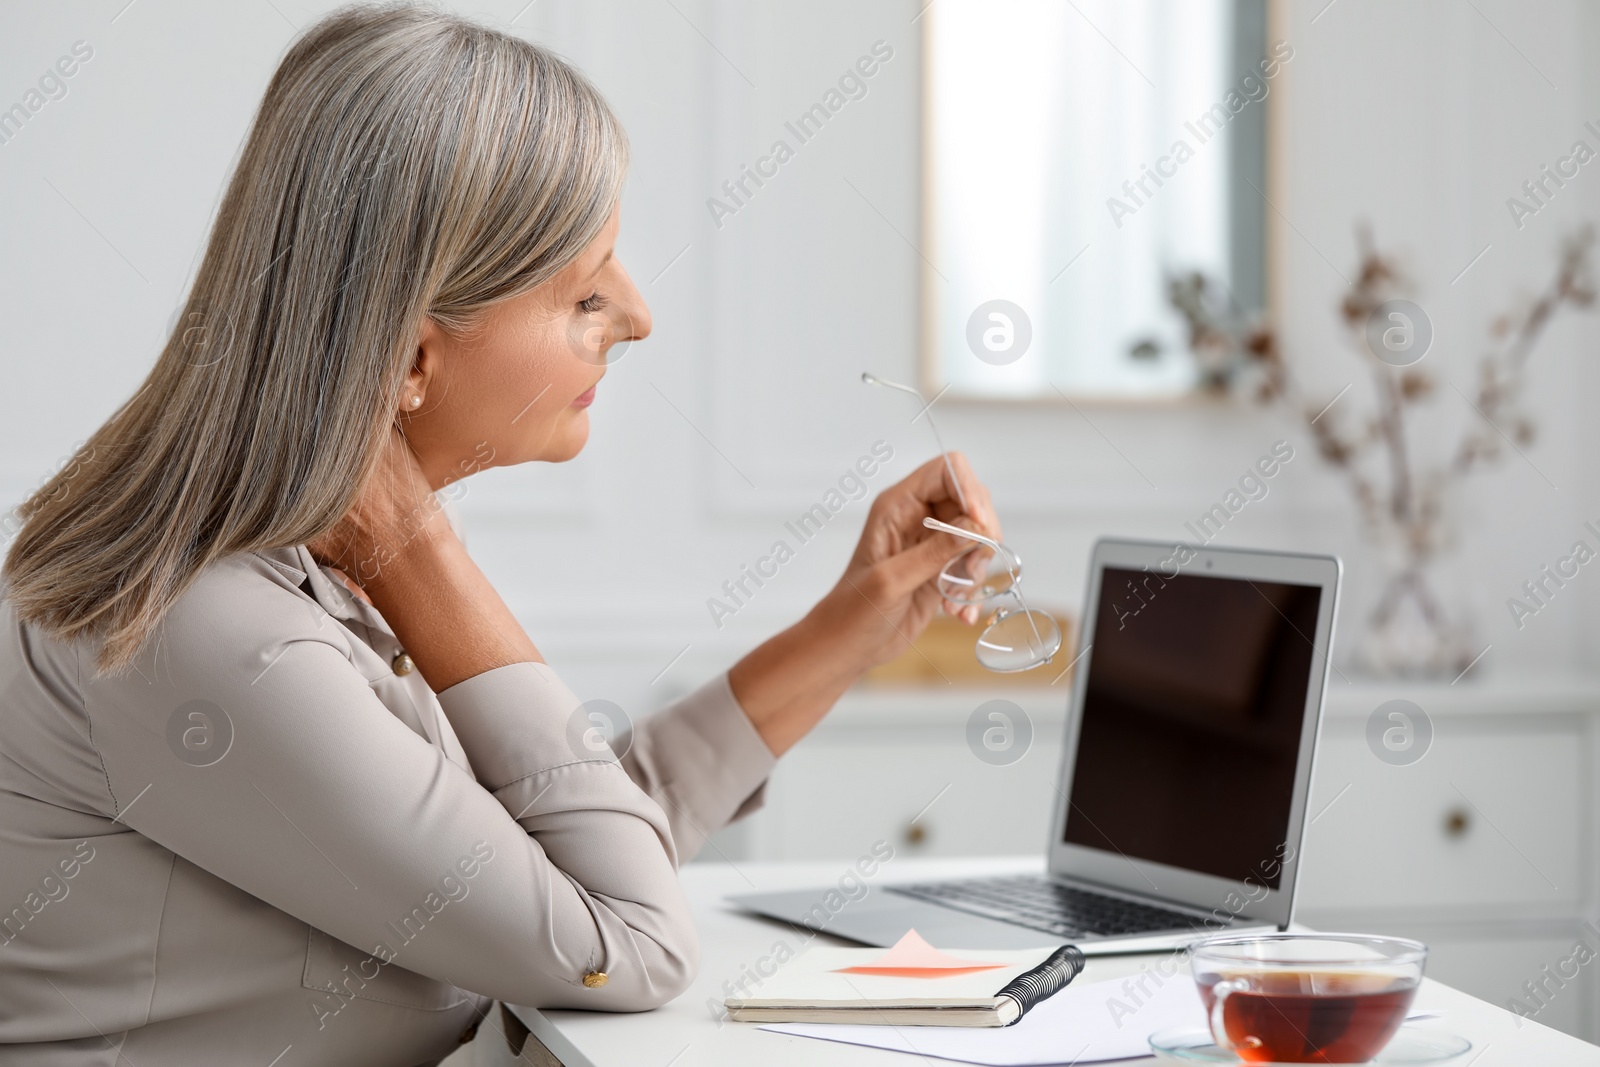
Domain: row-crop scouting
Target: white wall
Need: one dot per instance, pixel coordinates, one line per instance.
(1420, 117)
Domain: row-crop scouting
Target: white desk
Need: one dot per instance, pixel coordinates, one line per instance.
(685, 1033)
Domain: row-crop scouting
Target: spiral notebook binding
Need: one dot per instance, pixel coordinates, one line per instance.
(1045, 980)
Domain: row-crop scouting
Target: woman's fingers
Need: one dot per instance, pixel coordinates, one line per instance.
(900, 558)
(394, 506)
(967, 613)
(978, 508)
(906, 555)
(935, 484)
(921, 562)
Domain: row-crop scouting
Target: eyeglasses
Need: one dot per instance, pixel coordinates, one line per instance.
(1016, 637)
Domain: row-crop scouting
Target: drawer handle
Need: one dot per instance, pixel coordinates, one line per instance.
(916, 833)
(1457, 822)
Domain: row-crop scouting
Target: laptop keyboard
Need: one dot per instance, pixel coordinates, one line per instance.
(1040, 904)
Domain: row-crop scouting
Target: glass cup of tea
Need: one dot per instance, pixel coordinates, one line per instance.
(1307, 998)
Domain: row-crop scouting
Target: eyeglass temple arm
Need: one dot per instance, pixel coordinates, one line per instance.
(944, 527)
(927, 409)
(1007, 557)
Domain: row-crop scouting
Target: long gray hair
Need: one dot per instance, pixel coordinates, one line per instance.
(405, 164)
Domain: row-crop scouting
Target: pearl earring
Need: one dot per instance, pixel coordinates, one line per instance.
(416, 401)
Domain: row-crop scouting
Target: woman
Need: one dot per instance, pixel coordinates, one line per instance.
(281, 768)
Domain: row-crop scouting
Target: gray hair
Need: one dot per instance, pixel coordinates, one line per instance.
(405, 164)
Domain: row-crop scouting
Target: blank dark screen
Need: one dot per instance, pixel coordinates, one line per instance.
(1192, 719)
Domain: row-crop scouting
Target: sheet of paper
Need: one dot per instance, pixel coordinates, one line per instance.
(1089, 1023)
(1092, 1023)
(913, 957)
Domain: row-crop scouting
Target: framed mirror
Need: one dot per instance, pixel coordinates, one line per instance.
(1076, 157)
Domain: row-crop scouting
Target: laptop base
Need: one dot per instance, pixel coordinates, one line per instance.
(882, 918)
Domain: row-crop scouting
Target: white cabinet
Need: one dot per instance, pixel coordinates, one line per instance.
(1489, 820)
(1485, 847)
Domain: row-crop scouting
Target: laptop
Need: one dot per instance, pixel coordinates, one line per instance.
(1181, 803)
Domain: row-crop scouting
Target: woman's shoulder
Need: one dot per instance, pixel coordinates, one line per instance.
(266, 593)
(251, 597)
(227, 641)
(235, 617)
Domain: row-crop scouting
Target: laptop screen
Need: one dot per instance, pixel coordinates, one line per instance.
(1192, 717)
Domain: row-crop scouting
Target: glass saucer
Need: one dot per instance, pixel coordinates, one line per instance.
(1409, 1048)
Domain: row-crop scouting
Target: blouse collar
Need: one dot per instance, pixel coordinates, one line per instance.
(298, 565)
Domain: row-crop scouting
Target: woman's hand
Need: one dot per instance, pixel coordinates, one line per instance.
(883, 601)
(398, 551)
(887, 594)
(393, 510)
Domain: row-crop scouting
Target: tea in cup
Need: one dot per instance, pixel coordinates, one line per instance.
(1307, 998)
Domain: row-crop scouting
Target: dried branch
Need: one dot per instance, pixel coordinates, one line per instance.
(1243, 356)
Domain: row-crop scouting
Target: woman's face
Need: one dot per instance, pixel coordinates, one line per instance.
(518, 389)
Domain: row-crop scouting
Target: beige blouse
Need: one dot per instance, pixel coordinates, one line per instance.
(263, 845)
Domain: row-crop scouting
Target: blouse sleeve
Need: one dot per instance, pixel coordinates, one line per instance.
(323, 804)
(702, 761)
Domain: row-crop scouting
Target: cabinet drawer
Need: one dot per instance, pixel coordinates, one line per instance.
(835, 795)
(1494, 815)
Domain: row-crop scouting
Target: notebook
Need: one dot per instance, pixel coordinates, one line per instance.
(911, 984)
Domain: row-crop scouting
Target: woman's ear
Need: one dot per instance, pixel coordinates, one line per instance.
(426, 370)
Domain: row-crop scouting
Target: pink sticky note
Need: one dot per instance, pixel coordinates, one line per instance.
(912, 957)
